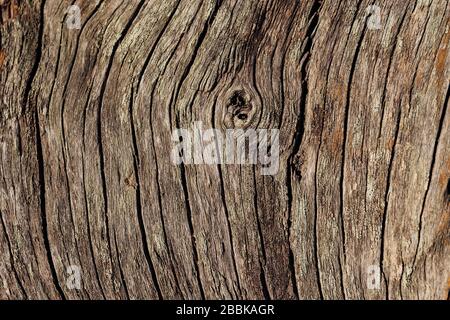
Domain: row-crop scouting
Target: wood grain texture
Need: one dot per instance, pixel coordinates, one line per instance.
(86, 121)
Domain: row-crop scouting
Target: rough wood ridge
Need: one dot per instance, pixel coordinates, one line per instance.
(86, 118)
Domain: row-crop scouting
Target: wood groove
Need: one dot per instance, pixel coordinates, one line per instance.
(86, 124)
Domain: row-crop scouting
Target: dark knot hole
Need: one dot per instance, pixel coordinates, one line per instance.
(242, 116)
(237, 99)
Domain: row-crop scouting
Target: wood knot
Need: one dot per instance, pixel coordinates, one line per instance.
(131, 182)
(239, 110)
(237, 99)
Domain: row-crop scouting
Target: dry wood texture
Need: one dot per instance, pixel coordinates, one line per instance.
(85, 141)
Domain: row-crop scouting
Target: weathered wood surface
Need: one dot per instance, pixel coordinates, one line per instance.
(85, 135)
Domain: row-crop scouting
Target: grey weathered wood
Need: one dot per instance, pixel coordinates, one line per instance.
(85, 134)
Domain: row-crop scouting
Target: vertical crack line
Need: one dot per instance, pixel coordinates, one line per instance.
(190, 220)
(99, 117)
(91, 248)
(391, 160)
(139, 81)
(224, 202)
(316, 207)
(39, 153)
(346, 120)
(139, 203)
(345, 131)
(263, 248)
(197, 47)
(63, 143)
(40, 160)
(288, 173)
(120, 268)
(341, 273)
(283, 57)
(163, 224)
(391, 58)
(191, 227)
(173, 99)
(430, 176)
(314, 17)
(401, 280)
(38, 55)
(63, 129)
(89, 233)
(153, 48)
(227, 215)
(386, 198)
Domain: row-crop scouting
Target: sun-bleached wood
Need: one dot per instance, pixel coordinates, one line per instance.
(86, 118)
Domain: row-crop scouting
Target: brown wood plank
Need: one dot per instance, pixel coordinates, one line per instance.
(87, 121)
